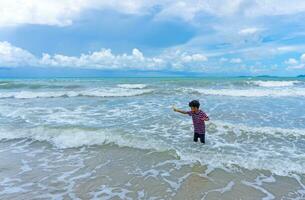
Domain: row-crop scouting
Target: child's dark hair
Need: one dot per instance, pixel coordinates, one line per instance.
(194, 103)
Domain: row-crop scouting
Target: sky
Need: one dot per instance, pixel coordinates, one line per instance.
(197, 37)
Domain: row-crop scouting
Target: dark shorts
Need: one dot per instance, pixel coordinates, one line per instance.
(201, 136)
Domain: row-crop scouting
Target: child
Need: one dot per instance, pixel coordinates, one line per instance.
(198, 117)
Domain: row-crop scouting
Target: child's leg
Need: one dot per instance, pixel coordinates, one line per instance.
(196, 135)
(202, 138)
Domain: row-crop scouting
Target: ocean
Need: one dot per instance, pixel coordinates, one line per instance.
(118, 138)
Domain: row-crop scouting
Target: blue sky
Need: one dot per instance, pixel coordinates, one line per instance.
(219, 37)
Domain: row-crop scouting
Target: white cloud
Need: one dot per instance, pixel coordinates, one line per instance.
(14, 56)
(291, 61)
(235, 60)
(55, 12)
(302, 58)
(301, 66)
(222, 59)
(232, 60)
(274, 7)
(188, 9)
(179, 9)
(63, 12)
(103, 59)
(248, 31)
(194, 58)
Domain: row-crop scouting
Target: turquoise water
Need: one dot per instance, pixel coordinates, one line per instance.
(255, 124)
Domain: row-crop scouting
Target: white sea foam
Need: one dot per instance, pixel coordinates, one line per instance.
(111, 92)
(282, 156)
(263, 129)
(76, 137)
(267, 148)
(286, 92)
(274, 83)
(258, 184)
(107, 192)
(132, 86)
(227, 188)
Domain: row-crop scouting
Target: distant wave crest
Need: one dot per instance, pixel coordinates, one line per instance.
(132, 86)
(111, 92)
(252, 92)
(274, 83)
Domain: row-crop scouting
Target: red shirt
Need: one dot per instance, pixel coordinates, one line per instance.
(198, 121)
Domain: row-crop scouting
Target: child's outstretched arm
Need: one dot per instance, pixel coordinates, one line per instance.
(180, 111)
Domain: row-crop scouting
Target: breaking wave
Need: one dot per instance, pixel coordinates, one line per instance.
(228, 145)
(111, 92)
(132, 86)
(274, 83)
(252, 92)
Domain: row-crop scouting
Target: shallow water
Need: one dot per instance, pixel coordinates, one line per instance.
(118, 138)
